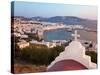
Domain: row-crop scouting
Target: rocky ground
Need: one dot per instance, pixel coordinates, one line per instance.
(28, 68)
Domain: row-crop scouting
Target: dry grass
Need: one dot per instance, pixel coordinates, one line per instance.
(19, 68)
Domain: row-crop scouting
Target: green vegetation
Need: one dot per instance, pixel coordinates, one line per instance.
(93, 56)
(39, 54)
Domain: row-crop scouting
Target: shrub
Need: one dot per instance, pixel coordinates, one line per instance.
(93, 56)
(40, 55)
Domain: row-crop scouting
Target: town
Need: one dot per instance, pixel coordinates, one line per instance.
(31, 32)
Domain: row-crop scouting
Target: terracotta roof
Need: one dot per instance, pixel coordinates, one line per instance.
(67, 65)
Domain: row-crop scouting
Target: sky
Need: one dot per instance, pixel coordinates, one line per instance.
(32, 9)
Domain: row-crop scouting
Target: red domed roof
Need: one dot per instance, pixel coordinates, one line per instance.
(67, 65)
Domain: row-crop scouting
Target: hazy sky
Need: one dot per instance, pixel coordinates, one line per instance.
(30, 9)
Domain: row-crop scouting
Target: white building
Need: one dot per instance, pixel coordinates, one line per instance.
(72, 58)
(16, 34)
(24, 36)
(23, 44)
(48, 44)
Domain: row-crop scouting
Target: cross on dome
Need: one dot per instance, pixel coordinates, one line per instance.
(75, 35)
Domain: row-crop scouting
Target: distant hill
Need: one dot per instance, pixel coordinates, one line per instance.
(70, 20)
(67, 20)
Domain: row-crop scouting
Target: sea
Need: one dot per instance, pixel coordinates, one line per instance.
(63, 34)
(58, 34)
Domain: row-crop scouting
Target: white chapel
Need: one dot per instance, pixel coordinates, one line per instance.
(72, 58)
